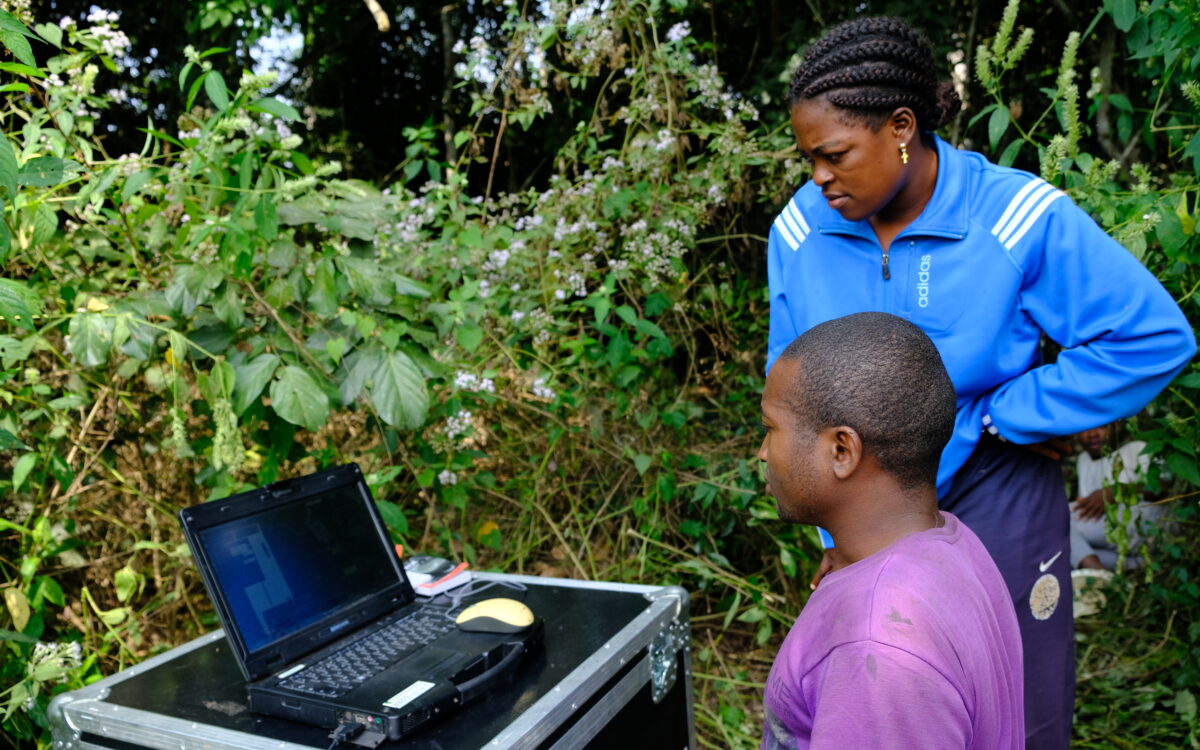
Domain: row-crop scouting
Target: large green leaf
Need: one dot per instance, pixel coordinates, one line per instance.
(1170, 233)
(9, 22)
(192, 286)
(323, 298)
(142, 342)
(21, 470)
(1124, 13)
(1184, 467)
(42, 171)
(18, 607)
(266, 218)
(296, 397)
(45, 223)
(18, 45)
(126, 581)
(8, 169)
(135, 183)
(223, 378)
(366, 280)
(359, 229)
(194, 89)
(50, 33)
(393, 516)
(1010, 153)
(229, 308)
(49, 671)
(1193, 150)
(308, 209)
(22, 70)
(275, 107)
(214, 86)
(997, 124)
(252, 377)
(9, 441)
(411, 287)
(398, 392)
(18, 304)
(89, 338)
(360, 368)
(469, 336)
(9, 635)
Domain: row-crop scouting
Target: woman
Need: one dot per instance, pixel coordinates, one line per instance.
(986, 260)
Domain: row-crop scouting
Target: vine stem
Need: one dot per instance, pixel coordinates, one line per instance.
(83, 428)
(721, 573)
(300, 348)
(550, 521)
(487, 193)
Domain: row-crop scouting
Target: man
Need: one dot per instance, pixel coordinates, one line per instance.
(1096, 467)
(911, 640)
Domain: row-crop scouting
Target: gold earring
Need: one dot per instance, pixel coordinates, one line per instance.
(904, 153)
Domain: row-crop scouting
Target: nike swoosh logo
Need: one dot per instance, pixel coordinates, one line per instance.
(1042, 567)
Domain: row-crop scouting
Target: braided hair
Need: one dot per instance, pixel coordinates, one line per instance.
(868, 67)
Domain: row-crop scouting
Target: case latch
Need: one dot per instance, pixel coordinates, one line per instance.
(664, 650)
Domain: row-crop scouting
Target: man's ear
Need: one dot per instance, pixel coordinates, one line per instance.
(845, 450)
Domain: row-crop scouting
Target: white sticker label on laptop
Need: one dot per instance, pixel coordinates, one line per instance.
(408, 694)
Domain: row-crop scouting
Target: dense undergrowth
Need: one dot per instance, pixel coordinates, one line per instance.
(561, 381)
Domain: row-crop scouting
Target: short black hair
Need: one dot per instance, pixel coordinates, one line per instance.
(881, 375)
(868, 67)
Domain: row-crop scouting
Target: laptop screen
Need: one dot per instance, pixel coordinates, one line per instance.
(286, 567)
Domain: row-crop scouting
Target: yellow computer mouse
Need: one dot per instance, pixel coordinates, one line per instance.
(498, 615)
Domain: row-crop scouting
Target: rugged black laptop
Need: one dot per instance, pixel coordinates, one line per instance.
(321, 618)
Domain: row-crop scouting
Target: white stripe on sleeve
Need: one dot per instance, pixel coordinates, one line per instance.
(794, 210)
(788, 215)
(786, 233)
(1016, 202)
(1033, 217)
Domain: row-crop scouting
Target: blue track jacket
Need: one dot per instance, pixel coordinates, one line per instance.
(997, 258)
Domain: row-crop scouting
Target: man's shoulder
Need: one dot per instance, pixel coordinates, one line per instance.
(934, 583)
(919, 575)
(953, 552)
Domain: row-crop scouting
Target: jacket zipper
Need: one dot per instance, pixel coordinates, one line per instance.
(887, 274)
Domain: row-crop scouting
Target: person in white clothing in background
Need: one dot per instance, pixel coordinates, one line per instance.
(1095, 466)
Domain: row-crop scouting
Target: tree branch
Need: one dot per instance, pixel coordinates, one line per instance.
(969, 62)
(448, 126)
(382, 22)
(1104, 128)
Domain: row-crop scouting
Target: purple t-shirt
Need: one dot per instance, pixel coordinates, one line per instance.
(914, 646)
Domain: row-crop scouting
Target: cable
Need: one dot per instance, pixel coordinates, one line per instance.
(470, 589)
(345, 731)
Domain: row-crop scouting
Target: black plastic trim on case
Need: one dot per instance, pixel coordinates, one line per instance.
(100, 741)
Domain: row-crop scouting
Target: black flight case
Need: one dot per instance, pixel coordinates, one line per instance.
(614, 672)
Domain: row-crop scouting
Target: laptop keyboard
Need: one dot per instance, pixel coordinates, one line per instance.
(342, 671)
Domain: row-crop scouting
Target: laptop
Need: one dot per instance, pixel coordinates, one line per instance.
(322, 619)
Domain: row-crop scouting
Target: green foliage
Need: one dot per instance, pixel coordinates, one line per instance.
(169, 287)
(219, 310)
(1151, 208)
